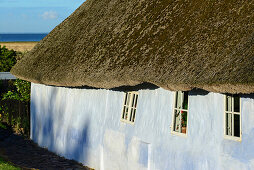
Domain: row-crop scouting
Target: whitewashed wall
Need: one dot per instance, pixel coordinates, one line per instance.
(84, 124)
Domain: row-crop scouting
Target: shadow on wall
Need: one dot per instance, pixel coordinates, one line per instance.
(198, 92)
(248, 96)
(49, 129)
(77, 143)
(142, 86)
(150, 86)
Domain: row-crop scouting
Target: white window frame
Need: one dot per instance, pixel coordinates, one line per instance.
(235, 138)
(173, 116)
(131, 116)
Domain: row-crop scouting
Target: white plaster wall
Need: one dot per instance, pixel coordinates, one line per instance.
(84, 124)
(68, 122)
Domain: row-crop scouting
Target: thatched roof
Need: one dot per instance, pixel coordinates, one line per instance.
(177, 45)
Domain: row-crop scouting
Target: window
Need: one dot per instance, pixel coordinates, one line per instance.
(232, 117)
(180, 114)
(130, 107)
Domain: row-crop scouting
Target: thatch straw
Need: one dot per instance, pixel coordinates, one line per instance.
(177, 45)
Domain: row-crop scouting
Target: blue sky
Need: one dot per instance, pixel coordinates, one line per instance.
(34, 16)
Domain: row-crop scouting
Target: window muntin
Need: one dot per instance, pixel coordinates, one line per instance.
(232, 117)
(130, 107)
(180, 114)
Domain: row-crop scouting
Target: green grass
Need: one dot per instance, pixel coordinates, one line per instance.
(6, 166)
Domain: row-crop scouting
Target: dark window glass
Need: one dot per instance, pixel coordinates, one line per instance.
(133, 99)
(136, 101)
(185, 101)
(124, 111)
(134, 114)
(184, 122)
(131, 114)
(236, 103)
(125, 101)
(236, 125)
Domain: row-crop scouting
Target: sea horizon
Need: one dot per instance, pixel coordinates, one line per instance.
(21, 37)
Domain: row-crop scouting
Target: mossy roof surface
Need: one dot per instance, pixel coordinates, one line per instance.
(177, 45)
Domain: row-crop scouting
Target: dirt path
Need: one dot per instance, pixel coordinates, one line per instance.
(28, 155)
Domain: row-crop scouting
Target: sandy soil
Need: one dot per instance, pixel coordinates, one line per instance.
(19, 46)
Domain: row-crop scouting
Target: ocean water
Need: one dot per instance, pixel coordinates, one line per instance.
(21, 37)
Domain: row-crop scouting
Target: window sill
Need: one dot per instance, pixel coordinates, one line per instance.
(179, 134)
(128, 122)
(237, 139)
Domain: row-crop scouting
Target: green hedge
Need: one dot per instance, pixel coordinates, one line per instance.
(14, 95)
(15, 106)
(7, 59)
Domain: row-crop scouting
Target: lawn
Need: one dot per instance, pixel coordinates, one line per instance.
(7, 166)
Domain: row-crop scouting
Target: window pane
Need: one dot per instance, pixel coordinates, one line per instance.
(178, 100)
(177, 121)
(123, 112)
(131, 114)
(133, 100)
(229, 124)
(134, 114)
(136, 101)
(236, 103)
(236, 125)
(125, 101)
(129, 99)
(185, 101)
(229, 103)
(126, 113)
(184, 121)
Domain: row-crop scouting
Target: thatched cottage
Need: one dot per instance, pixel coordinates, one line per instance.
(147, 84)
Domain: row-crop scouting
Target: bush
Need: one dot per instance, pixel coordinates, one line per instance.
(14, 107)
(21, 93)
(7, 59)
(14, 95)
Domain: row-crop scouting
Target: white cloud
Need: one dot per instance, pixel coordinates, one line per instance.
(49, 15)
